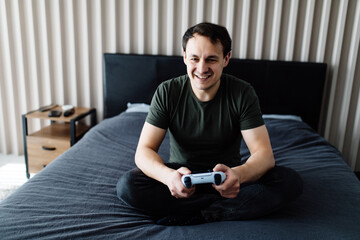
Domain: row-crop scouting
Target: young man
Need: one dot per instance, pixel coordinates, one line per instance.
(207, 114)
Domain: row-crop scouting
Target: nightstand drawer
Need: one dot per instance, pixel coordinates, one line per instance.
(41, 151)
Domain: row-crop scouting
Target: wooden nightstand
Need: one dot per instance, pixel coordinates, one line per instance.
(43, 146)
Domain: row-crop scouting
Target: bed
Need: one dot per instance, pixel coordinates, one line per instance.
(74, 197)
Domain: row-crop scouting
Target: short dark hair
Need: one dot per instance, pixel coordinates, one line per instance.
(214, 32)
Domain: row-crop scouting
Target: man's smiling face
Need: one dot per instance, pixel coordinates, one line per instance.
(205, 62)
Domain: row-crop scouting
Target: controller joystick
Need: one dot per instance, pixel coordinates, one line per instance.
(217, 178)
(187, 182)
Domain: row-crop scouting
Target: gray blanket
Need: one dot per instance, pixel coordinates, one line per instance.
(75, 196)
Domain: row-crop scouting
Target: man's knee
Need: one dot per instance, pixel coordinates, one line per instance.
(124, 188)
(138, 190)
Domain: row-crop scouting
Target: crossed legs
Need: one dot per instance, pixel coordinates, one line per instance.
(276, 188)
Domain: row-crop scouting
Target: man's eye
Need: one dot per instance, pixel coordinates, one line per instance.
(193, 59)
(211, 60)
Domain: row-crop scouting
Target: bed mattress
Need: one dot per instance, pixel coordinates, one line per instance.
(75, 196)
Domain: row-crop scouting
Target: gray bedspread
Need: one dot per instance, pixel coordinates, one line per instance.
(75, 196)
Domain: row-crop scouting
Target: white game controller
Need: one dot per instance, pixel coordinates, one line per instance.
(200, 178)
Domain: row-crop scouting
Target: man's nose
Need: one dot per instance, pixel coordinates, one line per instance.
(202, 67)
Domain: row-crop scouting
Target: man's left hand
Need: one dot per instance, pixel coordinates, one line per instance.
(231, 186)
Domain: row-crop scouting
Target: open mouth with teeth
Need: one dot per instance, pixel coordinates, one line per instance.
(202, 77)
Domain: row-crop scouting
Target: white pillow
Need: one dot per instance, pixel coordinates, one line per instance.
(137, 107)
(284, 117)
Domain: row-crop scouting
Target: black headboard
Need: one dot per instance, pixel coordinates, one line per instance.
(283, 87)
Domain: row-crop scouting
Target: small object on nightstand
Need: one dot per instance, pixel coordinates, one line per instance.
(54, 113)
(68, 110)
(47, 108)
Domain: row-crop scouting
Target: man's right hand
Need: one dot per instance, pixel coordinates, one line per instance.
(175, 185)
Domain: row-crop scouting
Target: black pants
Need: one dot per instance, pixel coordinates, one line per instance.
(277, 187)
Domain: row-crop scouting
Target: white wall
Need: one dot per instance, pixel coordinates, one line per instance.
(51, 51)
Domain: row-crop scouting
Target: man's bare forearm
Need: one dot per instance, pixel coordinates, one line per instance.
(262, 157)
(150, 162)
(256, 166)
(153, 166)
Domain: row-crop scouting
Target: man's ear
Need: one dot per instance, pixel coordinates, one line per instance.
(227, 59)
(184, 57)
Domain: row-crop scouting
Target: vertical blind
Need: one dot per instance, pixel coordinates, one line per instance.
(51, 51)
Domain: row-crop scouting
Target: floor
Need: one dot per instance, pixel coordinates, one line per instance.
(12, 174)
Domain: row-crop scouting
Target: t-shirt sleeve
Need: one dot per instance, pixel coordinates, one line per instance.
(250, 116)
(158, 113)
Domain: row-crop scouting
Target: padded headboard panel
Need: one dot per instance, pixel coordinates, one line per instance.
(283, 87)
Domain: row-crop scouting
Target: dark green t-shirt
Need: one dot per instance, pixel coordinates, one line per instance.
(203, 134)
